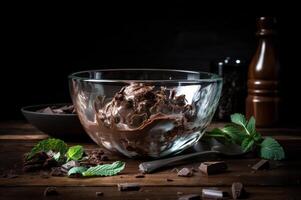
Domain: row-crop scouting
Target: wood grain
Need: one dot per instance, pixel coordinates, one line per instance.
(282, 181)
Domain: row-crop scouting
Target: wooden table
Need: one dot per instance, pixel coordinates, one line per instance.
(280, 182)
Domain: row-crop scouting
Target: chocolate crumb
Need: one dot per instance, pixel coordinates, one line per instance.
(139, 176)
(128, 187)
(262, 164)
(190, 197)
(185, 172)
(98, 194)
(50, 191)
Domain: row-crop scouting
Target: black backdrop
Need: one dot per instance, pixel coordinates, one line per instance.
(42, 47)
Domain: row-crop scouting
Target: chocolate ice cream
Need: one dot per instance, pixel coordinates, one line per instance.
(144, 119)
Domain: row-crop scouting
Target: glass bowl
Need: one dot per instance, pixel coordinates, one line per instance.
(145, 112)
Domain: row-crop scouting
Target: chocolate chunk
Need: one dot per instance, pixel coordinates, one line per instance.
(50, 191)
(262, 164)
(139, 176)
(214, 194)
(169, 180)
(190, 197)
(98, 194)
(47, 110)
(185, 172)
(238, 190)
(128, 187)
(213, 167)
(70, 164)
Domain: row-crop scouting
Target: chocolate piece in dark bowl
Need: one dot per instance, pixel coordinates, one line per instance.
(56, 120)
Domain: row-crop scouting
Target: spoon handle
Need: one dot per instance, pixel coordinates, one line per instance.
(149, 167)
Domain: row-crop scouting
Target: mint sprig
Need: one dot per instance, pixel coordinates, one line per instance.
(243, 132)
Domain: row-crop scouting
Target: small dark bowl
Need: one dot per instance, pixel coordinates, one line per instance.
(63, 126)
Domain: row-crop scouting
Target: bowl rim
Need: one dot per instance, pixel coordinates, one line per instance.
(213, 78)
(24, 109)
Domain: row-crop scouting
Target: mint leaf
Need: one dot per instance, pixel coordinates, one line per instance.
(239, 119)
(105, 170)
(76, 170)
(251, 125)
(56, 145)
(247, 144)
(234, 132)
(75, 153)
(271, 149)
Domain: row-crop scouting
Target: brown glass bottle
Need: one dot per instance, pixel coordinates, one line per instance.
(263, 77)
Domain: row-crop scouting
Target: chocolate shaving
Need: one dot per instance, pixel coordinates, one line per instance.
(128, 187)
(262, 164)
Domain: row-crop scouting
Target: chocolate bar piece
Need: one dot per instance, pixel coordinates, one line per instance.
(128, 187)
(213, 167)
(262, 164)
(238, 190)
(185, 172)
(190, 197)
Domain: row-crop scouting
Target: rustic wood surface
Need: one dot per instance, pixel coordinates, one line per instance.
(282, 181)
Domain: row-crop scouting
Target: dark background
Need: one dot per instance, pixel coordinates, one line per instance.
(42, 47)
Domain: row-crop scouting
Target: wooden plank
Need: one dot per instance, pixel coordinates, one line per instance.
(166, 193)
